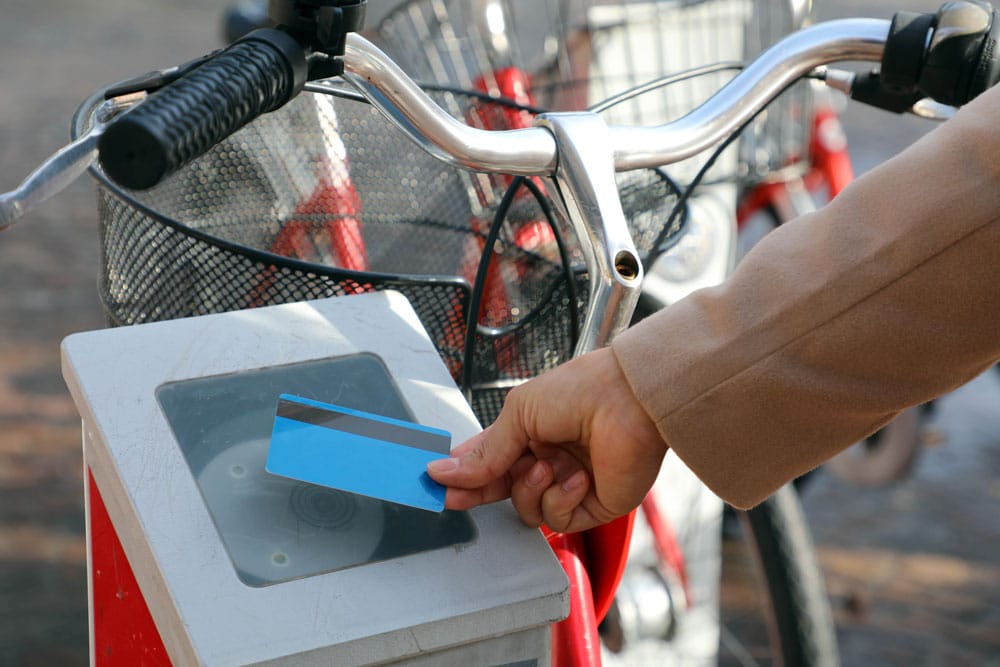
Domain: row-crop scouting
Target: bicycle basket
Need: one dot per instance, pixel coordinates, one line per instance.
(324, 198)
(577, 53)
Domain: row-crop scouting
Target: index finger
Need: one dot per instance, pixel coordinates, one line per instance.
(482, 461)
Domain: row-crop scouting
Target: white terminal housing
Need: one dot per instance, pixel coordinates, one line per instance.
(240, 567)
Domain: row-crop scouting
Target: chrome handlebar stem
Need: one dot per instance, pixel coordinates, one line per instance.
(589, 200)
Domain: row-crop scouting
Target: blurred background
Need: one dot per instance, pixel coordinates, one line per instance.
(913, 568)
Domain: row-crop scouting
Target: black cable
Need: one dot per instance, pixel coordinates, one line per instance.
(574, 306)
(479, 285)
(326, 87)
(482, 97)
(663, 82)
(667, 239)
(658, 248)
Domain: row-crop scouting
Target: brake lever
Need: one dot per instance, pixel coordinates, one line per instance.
(932, 110)
(65, 166)
(153, 81)
(867, 88)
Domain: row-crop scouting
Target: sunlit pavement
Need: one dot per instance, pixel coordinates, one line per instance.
(913, 569)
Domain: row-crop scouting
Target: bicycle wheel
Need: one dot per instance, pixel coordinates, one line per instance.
(800, 623)
(884, 456)
(750, 593)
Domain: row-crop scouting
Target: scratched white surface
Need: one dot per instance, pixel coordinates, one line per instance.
(505, 581)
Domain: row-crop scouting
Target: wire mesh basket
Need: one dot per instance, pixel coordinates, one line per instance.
(579, 53)
(325, 197)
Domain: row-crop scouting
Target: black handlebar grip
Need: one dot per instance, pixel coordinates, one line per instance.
(183, 120)
(962, 58)
(903, 56)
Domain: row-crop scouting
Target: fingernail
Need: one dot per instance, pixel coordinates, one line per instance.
(536, 475)
(443, 465)
(575, 481)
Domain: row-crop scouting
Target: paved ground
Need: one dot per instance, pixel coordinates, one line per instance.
(913, 570)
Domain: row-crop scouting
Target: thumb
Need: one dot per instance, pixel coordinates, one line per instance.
(487, 457)
(479, 460)
(473, 474)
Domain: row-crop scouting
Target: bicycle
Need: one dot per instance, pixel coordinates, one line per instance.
(571, 59)
(543, 56)
(530, 152)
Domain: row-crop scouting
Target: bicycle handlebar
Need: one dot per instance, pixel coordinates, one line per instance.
(749, 92)
(187, 117)
(266, 69)
(949, 56)
(257, 74)
(532, 152)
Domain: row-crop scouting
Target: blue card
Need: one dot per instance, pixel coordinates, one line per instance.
(357, 452)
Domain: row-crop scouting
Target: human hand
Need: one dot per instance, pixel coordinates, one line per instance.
(572, 448)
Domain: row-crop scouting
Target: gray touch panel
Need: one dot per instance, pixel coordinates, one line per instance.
(275, 529)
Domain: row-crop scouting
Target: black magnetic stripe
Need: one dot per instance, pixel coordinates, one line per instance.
(368, 428)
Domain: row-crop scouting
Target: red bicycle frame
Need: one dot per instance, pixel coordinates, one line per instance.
(829, 168)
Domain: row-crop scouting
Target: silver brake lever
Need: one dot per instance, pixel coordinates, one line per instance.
(928, 108)
(843, 81)
(61, 169)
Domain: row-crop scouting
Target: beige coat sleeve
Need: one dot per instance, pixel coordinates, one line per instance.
(887, 297)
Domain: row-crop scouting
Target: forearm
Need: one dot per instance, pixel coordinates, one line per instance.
(835, 322)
